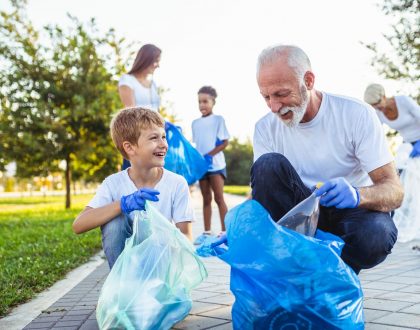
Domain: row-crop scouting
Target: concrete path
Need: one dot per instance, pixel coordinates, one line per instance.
(392, 293)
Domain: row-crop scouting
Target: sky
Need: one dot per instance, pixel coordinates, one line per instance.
(217, 42)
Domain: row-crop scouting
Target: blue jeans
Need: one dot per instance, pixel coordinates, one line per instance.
(114, 235)
(369, 235)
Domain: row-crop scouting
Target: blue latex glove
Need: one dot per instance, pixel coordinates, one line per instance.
(219, 142)
(221, 240)
(416, 150)
(137, 200)
(339, 193)
(209, 159)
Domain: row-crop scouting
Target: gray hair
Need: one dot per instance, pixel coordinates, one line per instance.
(374, 93)
(296, 58)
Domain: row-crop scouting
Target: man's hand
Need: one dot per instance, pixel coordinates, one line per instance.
(339, 193)
(209, 159)
(416, 150)
(137, 200)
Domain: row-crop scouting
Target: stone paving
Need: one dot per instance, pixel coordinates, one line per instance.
(392, 293)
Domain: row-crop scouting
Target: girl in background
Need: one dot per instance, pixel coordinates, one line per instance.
(210, 136)
(137, 88)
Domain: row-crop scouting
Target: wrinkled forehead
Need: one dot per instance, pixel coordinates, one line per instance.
(276, 74)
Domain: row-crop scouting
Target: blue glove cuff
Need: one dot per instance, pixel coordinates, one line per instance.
(358, 197)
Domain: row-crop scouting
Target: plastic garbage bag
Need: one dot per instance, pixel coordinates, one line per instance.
(303, 218)
(282, 279)
(407, 217)
(182, 158)
(149, 285)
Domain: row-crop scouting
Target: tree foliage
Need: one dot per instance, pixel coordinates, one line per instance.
(239, 158)
(404, 62)
(58, 93)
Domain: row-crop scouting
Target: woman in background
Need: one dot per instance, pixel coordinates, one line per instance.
(137, 88)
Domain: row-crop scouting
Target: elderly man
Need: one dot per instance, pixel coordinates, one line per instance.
(311, 136)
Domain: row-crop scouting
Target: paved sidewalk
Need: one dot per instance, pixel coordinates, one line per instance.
(392, 293)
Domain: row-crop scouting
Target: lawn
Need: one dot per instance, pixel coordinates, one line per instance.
(237, 190)
(38, 247)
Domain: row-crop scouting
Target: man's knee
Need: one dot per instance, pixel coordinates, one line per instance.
(269, 164)
(371, 243)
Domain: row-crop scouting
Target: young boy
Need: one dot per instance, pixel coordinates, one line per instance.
(139, 135)
(211, 137)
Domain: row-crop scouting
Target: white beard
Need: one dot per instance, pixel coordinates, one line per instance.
(298, 111)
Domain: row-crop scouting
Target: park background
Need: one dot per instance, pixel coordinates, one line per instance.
(58, 83)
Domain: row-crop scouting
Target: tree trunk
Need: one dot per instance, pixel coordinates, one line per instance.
(68, 183)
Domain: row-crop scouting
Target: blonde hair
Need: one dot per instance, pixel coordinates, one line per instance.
(374, 93)
(128, 123)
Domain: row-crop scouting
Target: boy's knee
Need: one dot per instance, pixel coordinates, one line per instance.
(219, 199)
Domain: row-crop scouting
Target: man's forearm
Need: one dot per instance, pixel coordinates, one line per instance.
(384, 197)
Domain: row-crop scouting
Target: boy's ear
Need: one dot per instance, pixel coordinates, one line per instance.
(128, 148)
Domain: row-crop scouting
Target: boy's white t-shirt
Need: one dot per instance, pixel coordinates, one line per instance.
(345, 139)
(205, 132)
(174, 198)
(408, 120)
(144, 97)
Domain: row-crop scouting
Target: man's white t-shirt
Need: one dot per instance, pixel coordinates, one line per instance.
(144, 97)
(174, 198)
(345, 139)
(408, 120)
(205, 132)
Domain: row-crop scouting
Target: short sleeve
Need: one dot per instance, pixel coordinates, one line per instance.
(182, 209)
(222, 132)
(370, 144)
(261, 144)
(126, 80)
(102, 197)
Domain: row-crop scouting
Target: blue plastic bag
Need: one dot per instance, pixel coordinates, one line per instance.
(280, 277)
(182, 158)
(150, 283)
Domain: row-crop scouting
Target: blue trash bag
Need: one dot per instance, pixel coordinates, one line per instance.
(149, 285)
(284, 280)
(182, 158)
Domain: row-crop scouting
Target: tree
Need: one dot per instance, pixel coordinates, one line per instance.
(239, 157)
(58, 95)
(404, 62)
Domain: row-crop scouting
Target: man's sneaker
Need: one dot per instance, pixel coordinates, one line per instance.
(200, 239)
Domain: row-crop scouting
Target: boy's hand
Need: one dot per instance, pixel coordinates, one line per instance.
(209, 159)
(339, 193)
(137, 200)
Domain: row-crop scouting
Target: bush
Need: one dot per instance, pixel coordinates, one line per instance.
(239, 158)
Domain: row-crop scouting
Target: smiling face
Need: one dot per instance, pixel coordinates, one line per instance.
(205, 103)
(285, 95)
(381, 105)
(150, 150)
(152, 67)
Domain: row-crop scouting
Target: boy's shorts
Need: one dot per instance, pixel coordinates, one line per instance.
(208, 174)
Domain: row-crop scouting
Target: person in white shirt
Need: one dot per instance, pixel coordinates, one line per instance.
(311, 136)
(136, 87)
(139, 135)
(399, 112)
(211, 136)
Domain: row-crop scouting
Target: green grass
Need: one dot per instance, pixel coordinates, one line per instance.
(38, 246)
(237, 190)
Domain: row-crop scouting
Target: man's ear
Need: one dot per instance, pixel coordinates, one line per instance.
(309, 79)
